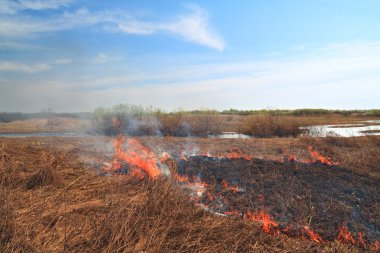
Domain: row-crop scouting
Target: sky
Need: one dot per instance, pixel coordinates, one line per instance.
(77, 55)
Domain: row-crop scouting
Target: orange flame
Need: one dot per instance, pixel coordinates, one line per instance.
(264, 218)
(235, 189)
(319, 158)
(312, 235)
(375, 246)
(140, 158)
(292, 158)
(237, 153)
(345, 235)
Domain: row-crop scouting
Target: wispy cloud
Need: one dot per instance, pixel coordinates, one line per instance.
(102, 58)
(63, 61)
(336, 76)
(18, 45)
(23, 68)
(13, 6)
(192, 26)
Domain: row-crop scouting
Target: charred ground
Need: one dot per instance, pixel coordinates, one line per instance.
(295, 194)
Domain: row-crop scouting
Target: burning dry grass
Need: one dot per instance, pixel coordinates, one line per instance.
(86, 212)
(362, 154)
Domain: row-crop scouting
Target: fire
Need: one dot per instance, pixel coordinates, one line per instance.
(264, 218)
(312, 235)
(234, 189)
(319, 158)
(143, 162)
(140, 159)
(345, 235)
(236, 154)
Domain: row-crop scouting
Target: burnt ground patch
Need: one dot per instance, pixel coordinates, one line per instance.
(321, 197)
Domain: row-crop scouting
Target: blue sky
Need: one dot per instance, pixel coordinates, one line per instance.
(76, 55)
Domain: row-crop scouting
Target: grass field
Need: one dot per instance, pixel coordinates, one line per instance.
(72, 194)
(181, 124)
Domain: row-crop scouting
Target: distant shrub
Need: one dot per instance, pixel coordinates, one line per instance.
(302, 112)
(137, 121)
(270, 126)
(9, 117)
(374, 112)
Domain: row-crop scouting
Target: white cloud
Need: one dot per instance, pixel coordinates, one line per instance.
(102, 58)
(195, 27)
(23, 68)
(13, 6)
(192, 26)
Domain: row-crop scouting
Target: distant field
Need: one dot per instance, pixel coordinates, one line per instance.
(182, 124)
(45, 125)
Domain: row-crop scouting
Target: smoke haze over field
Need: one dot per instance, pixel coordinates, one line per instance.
(72, 55)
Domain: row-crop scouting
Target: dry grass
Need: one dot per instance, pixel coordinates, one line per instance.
(189, 125)
(270, 126)
(7, 222)
(358, 153)
(287, 126)
(86, 212)
(47, 174)
(58, 124)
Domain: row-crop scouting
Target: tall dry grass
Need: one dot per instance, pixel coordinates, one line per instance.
(190, 125)
(158, 125)
(82, 211)
(270, 126)
(361, 154)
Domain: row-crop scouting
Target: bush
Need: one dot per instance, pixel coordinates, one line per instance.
(270, 126)
(138, 121)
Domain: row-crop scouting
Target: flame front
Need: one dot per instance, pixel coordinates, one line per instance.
(313, 236)
(140, 159)
(264, 218)
(319, 158)
(345, 235)
(228, 187)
